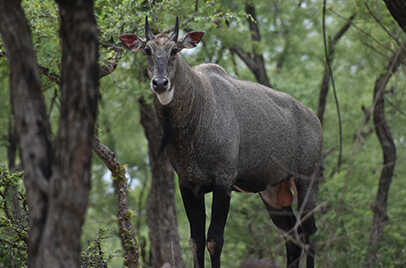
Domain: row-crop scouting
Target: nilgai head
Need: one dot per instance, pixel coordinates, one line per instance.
(161, 51)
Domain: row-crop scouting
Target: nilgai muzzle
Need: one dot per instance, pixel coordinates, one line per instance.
(223, 134)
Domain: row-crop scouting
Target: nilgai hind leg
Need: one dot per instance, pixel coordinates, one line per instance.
(278, 200)
(307, 190)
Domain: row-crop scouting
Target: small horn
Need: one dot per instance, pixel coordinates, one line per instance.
(148, 34)
(174, 35)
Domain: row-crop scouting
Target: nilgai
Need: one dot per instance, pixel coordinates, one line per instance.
(223, 134)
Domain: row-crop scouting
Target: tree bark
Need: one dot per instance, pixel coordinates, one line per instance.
(254, 61)
(325, 82)
(32, 126)
(398, 10)
(70, 183)
(385, 138)
(161, 205)
(56, 176)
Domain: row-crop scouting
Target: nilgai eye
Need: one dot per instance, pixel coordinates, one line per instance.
(148, 51)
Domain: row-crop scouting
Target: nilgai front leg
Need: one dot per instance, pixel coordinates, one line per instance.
(195, 212)
(219, 212)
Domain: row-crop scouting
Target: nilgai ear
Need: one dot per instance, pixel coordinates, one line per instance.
(191, 39)
(132, 41)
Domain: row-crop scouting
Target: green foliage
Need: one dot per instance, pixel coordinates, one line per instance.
(5, 109)
(13, 219)
(43, 18)
(93, 255)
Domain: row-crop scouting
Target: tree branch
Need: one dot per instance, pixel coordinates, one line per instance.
(106, 68)
(381, 24)
(110, 65)
(188, 19)
(342, 31)
(255, 62)
(244, 56)
(252, 22)
(388, 145)
(325, 83)
(368, 35)
(191, 17)
(127, 233)
(50, 75)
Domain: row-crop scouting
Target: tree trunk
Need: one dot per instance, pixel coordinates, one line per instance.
(70, 182)
(161, 205)
(28, 107)
(398, 10)
(385, 138)
(56, 177)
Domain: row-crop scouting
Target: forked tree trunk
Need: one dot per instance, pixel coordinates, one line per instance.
(385, 138)
(161, 204)
(56, 176)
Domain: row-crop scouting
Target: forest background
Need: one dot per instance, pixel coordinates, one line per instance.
(276, 43)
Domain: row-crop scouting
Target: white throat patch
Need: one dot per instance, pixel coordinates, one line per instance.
(166, 97)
